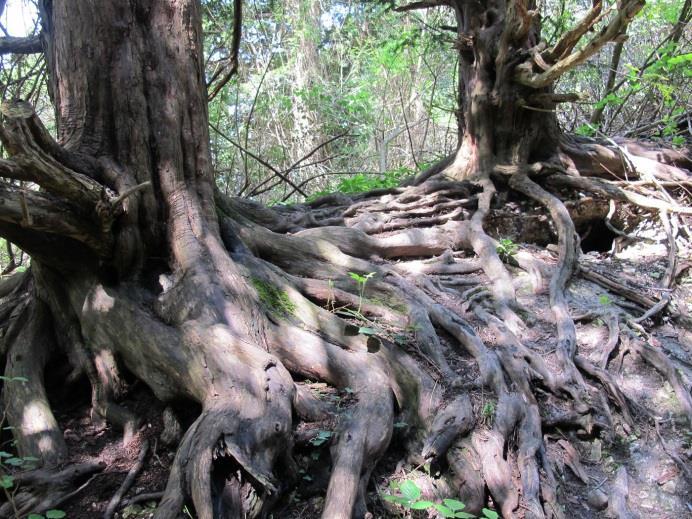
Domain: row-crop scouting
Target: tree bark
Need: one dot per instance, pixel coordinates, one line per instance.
(139, 264)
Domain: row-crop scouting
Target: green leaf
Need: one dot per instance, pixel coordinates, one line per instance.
(357, 277)
(410, 490)
(604, 299)
(34, 516)
(6, 481)
(395, 499)
(422, 505)
(4, 454)
(490, 514)
(446, 512)
(55, 514)
(454, 504)
(322, 437)
(464, 515)
(364, 330)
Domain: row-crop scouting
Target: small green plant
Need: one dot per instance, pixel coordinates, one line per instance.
(488, 412)
(362, 280)
(506, 248)
(10, 463)
(49, 514)
(330, 297)
(360, 182)
(321, 438)
(604, 300)
(273, 299)
(585, 130)
(408, 497)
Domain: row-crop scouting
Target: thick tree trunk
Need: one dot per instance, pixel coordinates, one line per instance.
(129, 92)
(505, 123)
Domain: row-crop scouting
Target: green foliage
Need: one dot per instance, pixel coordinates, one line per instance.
(49, 514)
(312, 70)
(362, 281)
(585, 130)
(361, 183)
(407, 495)
(506, 248)
(9, 463)
(604, 300)
(321, 438)
(273, 299)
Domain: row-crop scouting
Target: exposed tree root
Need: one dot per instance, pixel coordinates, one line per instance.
(307, 317)
(229, 305)
(48, 488)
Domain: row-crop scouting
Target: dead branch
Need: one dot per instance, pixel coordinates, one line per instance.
(27, 45)
(127, 483)
(224, 74)
(524, 73)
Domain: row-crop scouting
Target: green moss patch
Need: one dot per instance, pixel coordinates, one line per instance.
(273, 299)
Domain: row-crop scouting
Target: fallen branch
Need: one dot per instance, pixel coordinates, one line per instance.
(129, 479)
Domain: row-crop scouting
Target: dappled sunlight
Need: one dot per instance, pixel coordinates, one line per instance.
(37, 418)
(100, 301)
(431, 280)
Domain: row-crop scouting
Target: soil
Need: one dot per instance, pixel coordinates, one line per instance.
(88, 443)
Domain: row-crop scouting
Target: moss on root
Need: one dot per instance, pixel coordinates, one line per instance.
(273, 299)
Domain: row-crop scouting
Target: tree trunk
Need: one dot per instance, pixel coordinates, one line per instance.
(504, 123)
(140, 264)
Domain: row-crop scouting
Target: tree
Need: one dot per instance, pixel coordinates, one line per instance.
(140, 263)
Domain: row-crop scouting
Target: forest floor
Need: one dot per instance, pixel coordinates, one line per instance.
(586, 466)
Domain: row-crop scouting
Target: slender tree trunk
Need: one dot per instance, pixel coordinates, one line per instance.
(597, 114)
(307, 73)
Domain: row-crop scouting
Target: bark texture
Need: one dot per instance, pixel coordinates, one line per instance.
(139, 264)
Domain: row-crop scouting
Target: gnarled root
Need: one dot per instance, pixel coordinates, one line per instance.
(285, 300)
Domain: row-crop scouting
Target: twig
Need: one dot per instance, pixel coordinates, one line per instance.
(296, 165)
(258, 159)
(617, 287)
(235, 49)
(129, 479)
(654, 309)
(76, 491)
